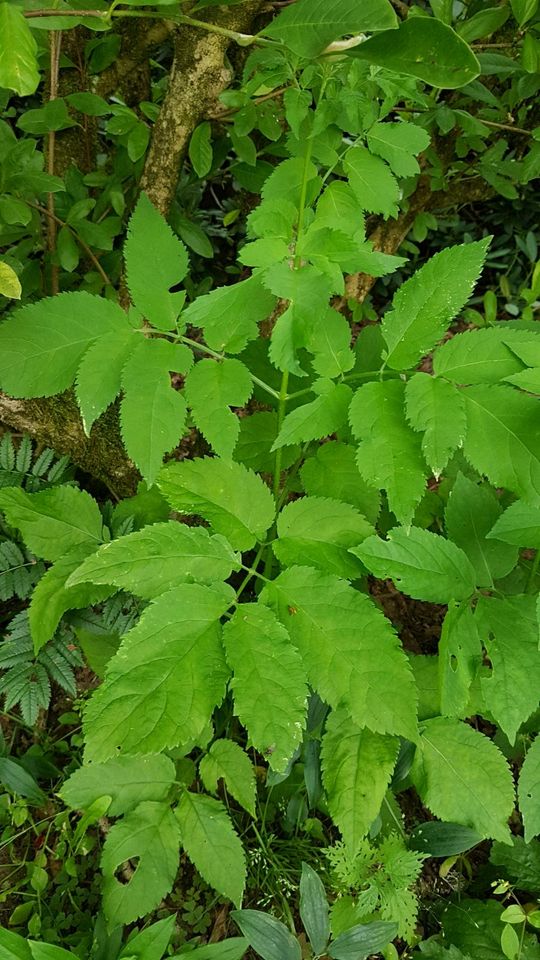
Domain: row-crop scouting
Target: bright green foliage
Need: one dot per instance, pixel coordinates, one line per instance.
(357, 766)
(503, 439)
(153, 415)
(350, 651)
(234, 500)
(128, 781)
(270, 938)
(320, 418)
(211, 388)
(319, 532)
(519, 524)
(480, 356)
(389, 455)
(18, 60)
(151, 834)
(425, 48)
(332, 472)
(157, 558)
(311, 25)
(53, 521)
(166, 678)
(10, 285)
(460, 656)
(511, 692)
(374, 186)
(229, 315)
(423, 564)
(398, 144)
(150, 278)
(42, 344)
(425, 305)
(314, 911)
(470, 514)
(228, 762)
(98, 383)
(436, 407)
(462, 777)
(212, 845)
(529, 791)
(269, 683)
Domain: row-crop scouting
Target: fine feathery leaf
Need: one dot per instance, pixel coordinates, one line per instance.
(42, 344)
(228, 762)
(425, 305)
(153, 560)
(319, 532)
(463, 777)
(233, 499)
(357, 765)
(153, 414)
(422, 564)
(211, 844)
(150, 279)
(389, 455)
(529, 791)
(128, 781)
(211, 388)
(269, 683)
(351, 653)
(149, 834)
(53, 521)
(165, 680)
(436, 408)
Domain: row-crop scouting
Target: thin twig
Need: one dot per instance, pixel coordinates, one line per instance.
(55, 39)
(62, 223)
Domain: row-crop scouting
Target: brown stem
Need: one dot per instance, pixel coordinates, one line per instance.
(30, 14)
(62, 223)
(55, 40)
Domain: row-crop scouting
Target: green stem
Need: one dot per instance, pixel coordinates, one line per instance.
(281, 416)
(251, 572)
(361, 377)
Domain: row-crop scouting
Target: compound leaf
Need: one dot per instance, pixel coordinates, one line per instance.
(211, 388)
(53, 521)
(323, 416)
(437, 408)
(463, 777)
(151, 836)
(357, 765)
(233, 499)
(269, 683)
(167, 677)
(150, 279)
(229, 315)
(99, 377)
(212, 845)
(318, 531)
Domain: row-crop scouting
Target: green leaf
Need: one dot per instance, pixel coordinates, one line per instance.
(153, 414)
(422, 564)
(211, 388)
(323, 416)
(318, 532)
(212, 845)
(424, 48)
(460, 656)
(372, 182)
(333, 472)
(234, 500)
(10, 285)
(339, 205)
(157, 558)
(13, 947)
(165, 680)
(127, 780)
(389, 455)
(470, 513)
(350, 651)
(529, 791)
(286, 181)
(482, 24)
(150, 835)
(16, 779)
(99, 377)
(228, 762)
(200, 149)
(53, 521)
(269, 684)
(151, 943)
(330, 344)
(306, 289)
(398, 144)
(443, 839)
(150, 279)
(503, 439)
(98, 648)
(257, 434)
(437, 408)
(49, 951)
(357, 766)
(314, 912)
(268, 937)
(42, 344)
(52, 597)
(523, 10)
(519, 524)
(18, 54)
(310, 25)
(362, 941)
(462, 777)
(480, 356)
(528, 380)
(229, 315)
(233, 948)
(511, 692)
(425, 305)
